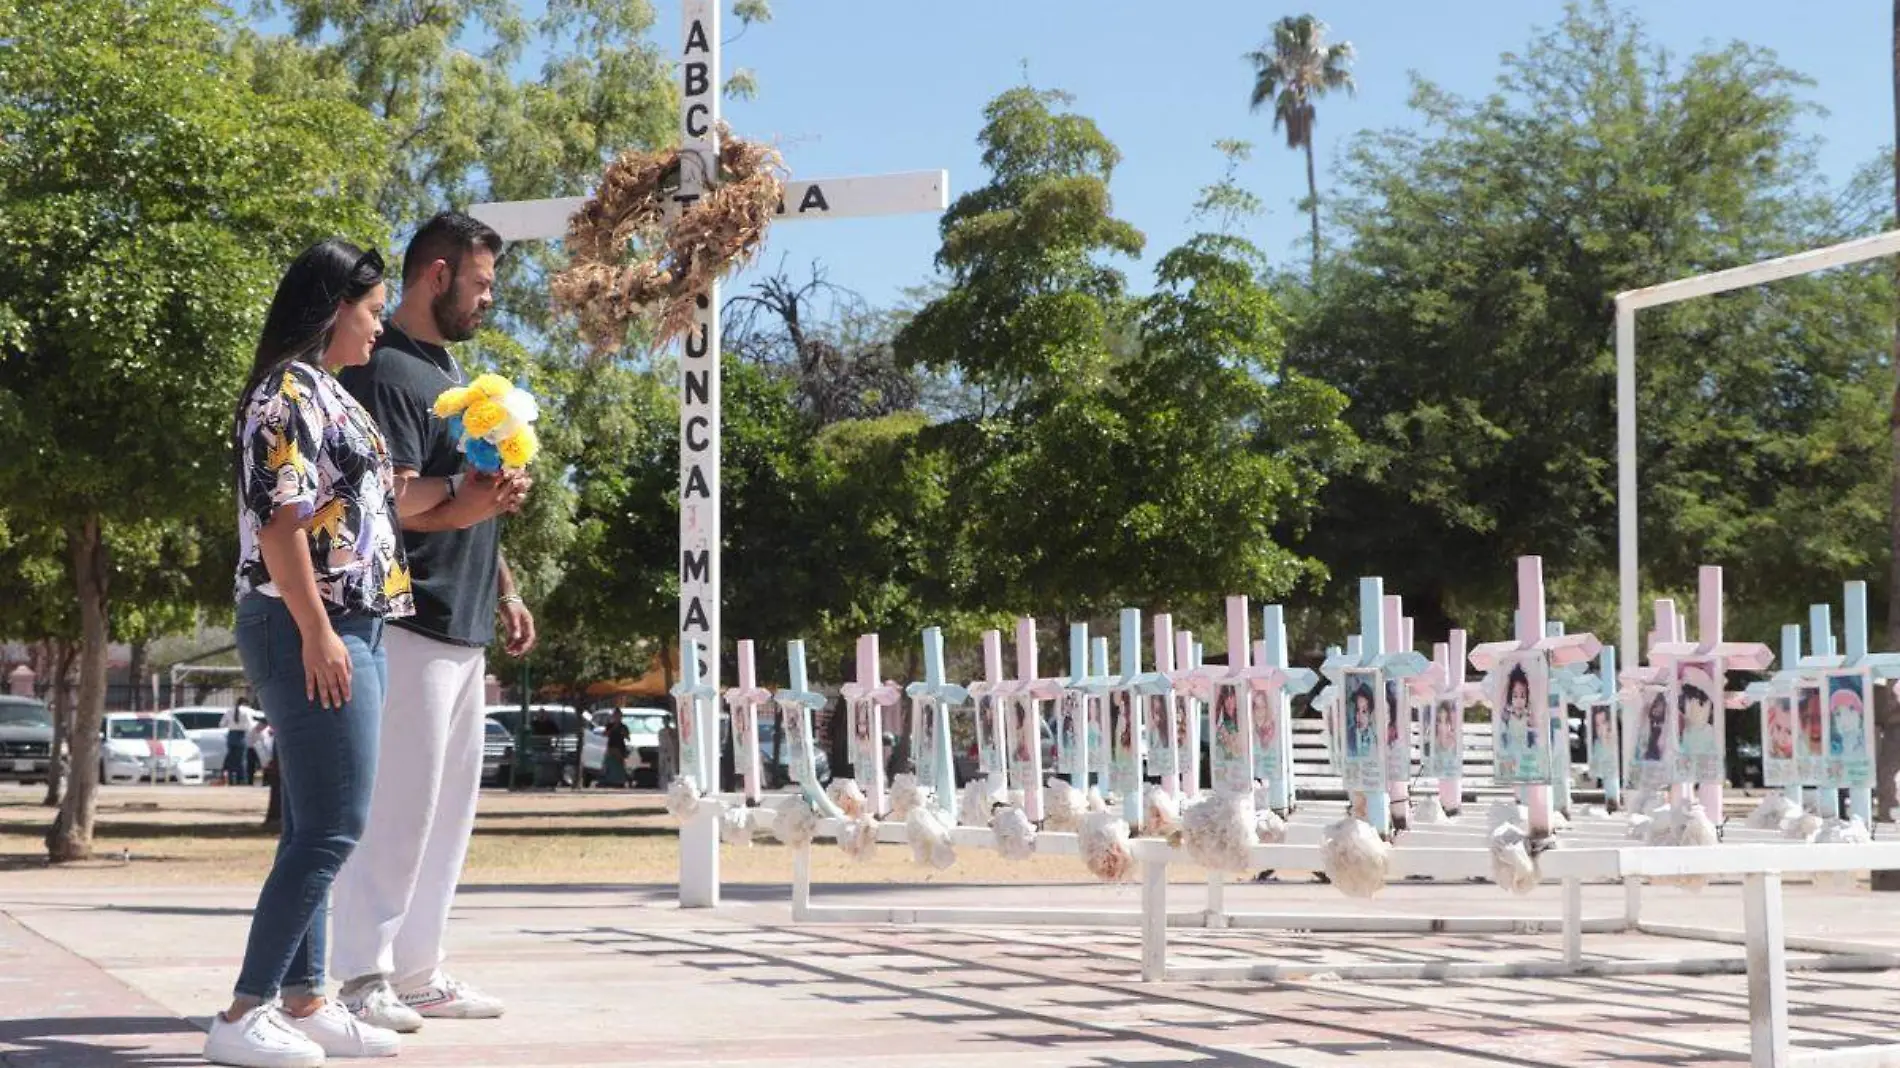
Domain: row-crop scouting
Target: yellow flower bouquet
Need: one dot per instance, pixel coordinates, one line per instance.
(493, 423)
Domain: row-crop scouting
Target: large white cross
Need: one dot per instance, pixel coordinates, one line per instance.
(834, 198)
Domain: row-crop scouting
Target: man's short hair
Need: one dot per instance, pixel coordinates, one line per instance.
(448, 236)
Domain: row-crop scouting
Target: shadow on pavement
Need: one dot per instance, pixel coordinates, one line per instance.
(80, 1042)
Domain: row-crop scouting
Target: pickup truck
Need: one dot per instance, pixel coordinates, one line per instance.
(26, 739)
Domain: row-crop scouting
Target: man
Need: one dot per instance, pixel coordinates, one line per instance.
(393, 896)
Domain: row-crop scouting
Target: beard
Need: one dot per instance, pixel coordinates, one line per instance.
(453, 323)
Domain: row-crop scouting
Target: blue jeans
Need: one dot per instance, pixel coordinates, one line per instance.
(237, 758)
(326, 759)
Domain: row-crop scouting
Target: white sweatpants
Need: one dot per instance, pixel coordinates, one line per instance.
(392, 898)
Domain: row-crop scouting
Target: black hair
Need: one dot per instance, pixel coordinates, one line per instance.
(447, 236)
(1689, 693)
(1517, 675)
(302, 316)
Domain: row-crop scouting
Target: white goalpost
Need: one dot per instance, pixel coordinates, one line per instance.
(180, 673)
(1627, 305)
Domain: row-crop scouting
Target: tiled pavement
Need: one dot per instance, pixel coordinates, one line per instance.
(611, 976)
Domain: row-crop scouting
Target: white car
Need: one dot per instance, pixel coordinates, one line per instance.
(154, 745)
(204, 726)
(643, 745)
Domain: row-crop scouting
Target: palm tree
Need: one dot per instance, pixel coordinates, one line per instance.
(1294, 70)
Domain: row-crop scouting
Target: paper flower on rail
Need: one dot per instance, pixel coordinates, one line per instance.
(1015, 834)
(1218, 831)
(1355, 857)
(847, 796)
(858, 837)
(1513, 865)
(1803, 828)
(735, 825)
(929, 836)
(1104, 843)
(978, 803)
(682, 799)
(1686, 824)
(906, 794)
(794, 822)
(1160, 813)
(1268, 827)
(1850, 831)
(1062, 806)
(492, 423)
(1774, 810)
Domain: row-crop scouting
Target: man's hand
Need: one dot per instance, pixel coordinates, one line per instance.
(518, 627)
(491, 495)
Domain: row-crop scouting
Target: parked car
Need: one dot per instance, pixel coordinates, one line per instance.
(554, 741)
(498, 754)
(26, 739)
(643, 743)
(775, 761)
(142, 745)
(204, 725)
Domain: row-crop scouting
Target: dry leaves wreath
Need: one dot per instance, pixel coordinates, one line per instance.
(606, 286)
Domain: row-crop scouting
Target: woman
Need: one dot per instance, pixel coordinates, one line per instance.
(320, 568)
(613, 771)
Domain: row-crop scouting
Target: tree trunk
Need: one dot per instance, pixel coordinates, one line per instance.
(62, 662)
(1312, 198)
(135, 675)
(71, 835)
(1887, 749)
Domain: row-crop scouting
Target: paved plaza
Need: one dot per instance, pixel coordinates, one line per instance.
(604, 975)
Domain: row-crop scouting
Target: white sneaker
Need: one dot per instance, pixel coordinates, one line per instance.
(260, 1039)
(378, 1006)
(343, 1035)
(451, 999)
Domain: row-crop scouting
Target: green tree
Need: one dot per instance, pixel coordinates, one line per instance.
(1469, 325)
(1294, 70)
(1032, 302)
(148, 200)
(1029, 321)
(1126, 450)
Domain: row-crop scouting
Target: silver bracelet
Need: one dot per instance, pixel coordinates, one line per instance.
(512, 598)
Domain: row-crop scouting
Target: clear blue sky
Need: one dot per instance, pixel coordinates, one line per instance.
(895, 85)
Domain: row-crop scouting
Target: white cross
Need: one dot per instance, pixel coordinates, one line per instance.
(1538, 652)
(699, 370)
(865, 702)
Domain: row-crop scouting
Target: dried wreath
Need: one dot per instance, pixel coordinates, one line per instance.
(625, 263)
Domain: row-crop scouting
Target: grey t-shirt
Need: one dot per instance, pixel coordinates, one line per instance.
(452, 571)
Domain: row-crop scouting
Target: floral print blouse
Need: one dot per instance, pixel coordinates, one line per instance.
(308, 445)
